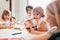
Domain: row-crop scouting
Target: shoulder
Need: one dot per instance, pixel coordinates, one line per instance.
(42, 19)
(1, 22)
(43, 23)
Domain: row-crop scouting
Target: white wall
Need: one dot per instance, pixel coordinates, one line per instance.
(3, 5)
(18, 8)
(13, 8)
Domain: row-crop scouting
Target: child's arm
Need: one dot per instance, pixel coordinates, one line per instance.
(42, 26)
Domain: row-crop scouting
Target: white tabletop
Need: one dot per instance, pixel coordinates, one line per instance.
(7, 33)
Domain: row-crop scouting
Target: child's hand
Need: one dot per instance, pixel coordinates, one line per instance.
(10, 27)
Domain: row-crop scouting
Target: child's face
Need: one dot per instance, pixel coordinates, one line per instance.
(6, 16)
(29, 11)
(27, 24)
(51, 21)
(36, 15)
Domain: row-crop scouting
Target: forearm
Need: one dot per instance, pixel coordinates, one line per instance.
(37, 32)
(44, 36)
(2, 26)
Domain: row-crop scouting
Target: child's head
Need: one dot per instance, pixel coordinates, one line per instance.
(50, 17)
(29, 9)
(13, 19)
(38, 13)
(28, 23)
(5, 15)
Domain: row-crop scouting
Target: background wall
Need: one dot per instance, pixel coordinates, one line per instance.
(18, 8)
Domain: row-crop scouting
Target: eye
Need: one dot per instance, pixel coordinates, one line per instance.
(37, 13)
(28, 28)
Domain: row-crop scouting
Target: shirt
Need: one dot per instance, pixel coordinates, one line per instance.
(25, 18)
(7, 23)
(39, 22)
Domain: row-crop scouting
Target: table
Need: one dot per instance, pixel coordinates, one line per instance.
(7, 33)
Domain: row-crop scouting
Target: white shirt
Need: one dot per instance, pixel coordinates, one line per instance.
(39, 21)
(25, 18)
(7, 23)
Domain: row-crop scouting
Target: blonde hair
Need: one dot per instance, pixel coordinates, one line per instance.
(53, 10)
(39, 10)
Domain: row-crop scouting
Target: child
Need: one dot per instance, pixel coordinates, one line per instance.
(5, 23)
(13, 20)
(29, 10)
(30, 28)
(39, 20)
(28, 25)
